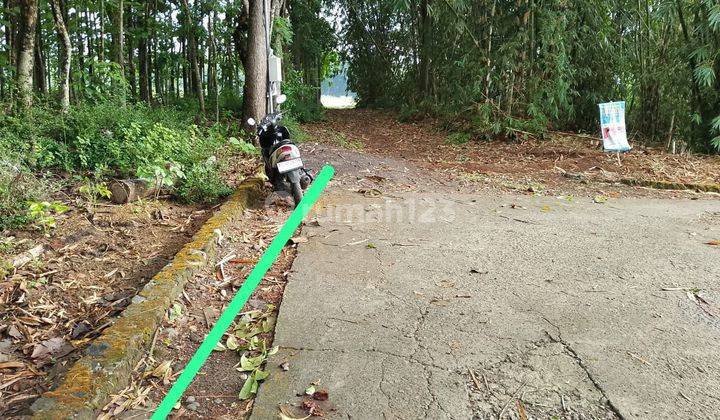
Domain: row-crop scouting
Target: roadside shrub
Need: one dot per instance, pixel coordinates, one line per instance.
(132, 141)
(18, 187)
(302, 101)
(203, 184)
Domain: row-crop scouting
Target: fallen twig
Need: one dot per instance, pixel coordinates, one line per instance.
(514, 396)
(474, 379)
(28, 256)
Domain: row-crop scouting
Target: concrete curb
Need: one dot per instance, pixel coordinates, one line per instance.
(107, 364)
(666, 185)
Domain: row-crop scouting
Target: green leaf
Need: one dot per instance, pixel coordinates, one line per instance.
(260, 375)
(705, 74)
(232, 342)
(716, 124)
(247, 390)
(248, 364)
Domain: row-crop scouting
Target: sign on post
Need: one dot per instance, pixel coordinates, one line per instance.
(612, 124)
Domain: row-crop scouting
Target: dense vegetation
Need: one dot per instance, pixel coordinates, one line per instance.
(142, 89)
(499, 66)
(156, 89)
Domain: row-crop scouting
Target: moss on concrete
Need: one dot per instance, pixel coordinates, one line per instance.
(666, 185)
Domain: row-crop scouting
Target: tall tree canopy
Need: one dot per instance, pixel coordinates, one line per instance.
(156, 51)
(495, 66)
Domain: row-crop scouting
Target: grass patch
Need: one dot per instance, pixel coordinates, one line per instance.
(457, 139)
(343, 141)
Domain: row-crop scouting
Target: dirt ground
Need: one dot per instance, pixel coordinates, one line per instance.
(92, 265)
(562, 164)
(214, 393)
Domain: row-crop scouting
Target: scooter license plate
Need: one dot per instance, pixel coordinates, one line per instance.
(289, 165)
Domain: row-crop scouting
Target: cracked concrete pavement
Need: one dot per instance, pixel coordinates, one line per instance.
(446, 305)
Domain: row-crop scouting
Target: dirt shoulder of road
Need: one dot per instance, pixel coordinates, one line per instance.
(77, 278)
(216, 391)
(563, 164)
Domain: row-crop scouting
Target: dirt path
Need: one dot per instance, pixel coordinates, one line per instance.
(561, 164)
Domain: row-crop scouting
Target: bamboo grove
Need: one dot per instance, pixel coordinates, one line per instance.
(486, 66)
(528, 65)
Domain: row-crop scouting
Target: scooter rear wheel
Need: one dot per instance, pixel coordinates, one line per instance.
(297, 192)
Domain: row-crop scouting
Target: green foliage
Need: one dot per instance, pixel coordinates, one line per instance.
(457, 138)
(160, 144)
(243, 147)
(303, 103)
(17, 187)
(312, 52)
(296, 132)
(203, 183)
(496, 67)
(247, 338)
(93, 190)
(42, 214)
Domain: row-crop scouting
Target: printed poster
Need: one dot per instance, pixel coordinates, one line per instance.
(612, 124)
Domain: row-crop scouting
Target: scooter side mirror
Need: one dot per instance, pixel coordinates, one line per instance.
(251, 122)
(281, 99)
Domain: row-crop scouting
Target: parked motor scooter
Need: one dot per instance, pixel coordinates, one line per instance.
(283, 163)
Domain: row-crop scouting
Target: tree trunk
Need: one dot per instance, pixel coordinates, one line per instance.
(144, 59)
(425, 48)
(80, 86)
(193, 56)
(118, 36)
(101, 23)
(157, 70)
(255, 62)
(39, 77)
(65, 53)
(25, 57)
(130, 46)
(185, 81)
(130, 75)
(90, 45)
(10, 31)
(212, 66)
(125, 191)
(488, 62)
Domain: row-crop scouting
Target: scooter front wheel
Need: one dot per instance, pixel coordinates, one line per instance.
(297, 192)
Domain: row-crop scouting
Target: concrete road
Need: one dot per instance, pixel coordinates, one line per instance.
(453, 306)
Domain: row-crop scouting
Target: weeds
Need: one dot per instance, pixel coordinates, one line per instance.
(341, 140)
(457, 138)
(17, 187)
(97, 139)
(203, 184)
(42, 214)
(247, 338)
(92, 191)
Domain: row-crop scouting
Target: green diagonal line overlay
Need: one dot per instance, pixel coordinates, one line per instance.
(236, 305)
